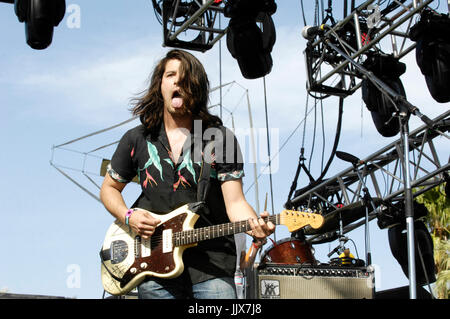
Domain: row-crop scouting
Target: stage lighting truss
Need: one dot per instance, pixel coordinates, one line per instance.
(192, 25)
(363, 30)
(383, 175)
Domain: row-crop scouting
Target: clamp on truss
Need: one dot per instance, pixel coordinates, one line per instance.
(201, 18)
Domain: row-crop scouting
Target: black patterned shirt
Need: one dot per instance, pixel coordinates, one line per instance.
(167, 185)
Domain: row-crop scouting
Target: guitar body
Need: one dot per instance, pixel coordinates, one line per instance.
(127, 258)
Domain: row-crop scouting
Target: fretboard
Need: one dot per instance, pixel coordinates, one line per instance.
(195, 235)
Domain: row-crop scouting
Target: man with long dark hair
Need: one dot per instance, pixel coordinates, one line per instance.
(166, 152)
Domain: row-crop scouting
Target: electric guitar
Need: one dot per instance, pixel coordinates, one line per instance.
(126, 257)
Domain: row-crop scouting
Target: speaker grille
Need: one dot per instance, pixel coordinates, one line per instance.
(290, 282)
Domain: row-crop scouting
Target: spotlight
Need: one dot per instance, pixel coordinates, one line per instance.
(40, 16)
(432, 37)
(391, 215)
(388, 69)
(248, 44)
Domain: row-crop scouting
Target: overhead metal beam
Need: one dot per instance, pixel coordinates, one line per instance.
(383, 172)
(205, 20)
(322, 71)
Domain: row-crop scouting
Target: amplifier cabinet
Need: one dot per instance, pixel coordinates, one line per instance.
(296, 281)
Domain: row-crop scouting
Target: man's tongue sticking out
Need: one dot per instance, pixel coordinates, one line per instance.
(177, 101)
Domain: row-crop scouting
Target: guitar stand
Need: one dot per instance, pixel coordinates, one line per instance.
(404, 109)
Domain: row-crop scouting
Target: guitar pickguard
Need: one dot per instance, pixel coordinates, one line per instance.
(159, 261)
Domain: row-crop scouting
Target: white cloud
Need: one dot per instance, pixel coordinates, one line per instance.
(98, 91)
(90, 90)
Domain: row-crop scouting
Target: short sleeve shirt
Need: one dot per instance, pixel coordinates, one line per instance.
(167, 185)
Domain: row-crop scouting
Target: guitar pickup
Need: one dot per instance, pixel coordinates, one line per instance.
(167, 241)
(145, 247)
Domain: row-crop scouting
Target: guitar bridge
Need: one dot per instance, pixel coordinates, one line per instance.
(119, 251)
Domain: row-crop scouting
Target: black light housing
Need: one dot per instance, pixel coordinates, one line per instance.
(392, 215)
(40, 17)
(393, 218)
(432, 37)
(248, 44)
(424, 250)
(388, 69)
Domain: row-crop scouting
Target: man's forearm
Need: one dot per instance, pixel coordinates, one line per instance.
(240, 210)
(113, 201)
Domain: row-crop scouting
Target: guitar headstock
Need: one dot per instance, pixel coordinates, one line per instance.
(294, 220)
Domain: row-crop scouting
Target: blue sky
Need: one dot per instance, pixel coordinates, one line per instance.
(51, 230)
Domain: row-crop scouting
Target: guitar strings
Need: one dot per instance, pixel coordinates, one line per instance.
(185, 236)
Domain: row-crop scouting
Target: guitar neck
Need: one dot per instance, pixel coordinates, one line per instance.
(195, 235)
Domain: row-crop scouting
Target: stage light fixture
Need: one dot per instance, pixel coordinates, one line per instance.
(394, 214)
(388, 69)
(423, 248)
(432, 37)
(40, 17)
(250, 45)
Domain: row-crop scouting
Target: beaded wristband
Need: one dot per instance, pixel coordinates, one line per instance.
(127, 216)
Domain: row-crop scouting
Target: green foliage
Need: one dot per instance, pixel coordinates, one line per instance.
(438, 205)
(438, 220)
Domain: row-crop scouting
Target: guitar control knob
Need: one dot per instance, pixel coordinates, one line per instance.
(144, 265)
(133, 270)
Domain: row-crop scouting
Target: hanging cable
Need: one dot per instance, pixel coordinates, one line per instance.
(336, 140)
(280, 149)
(323, 134)
(301, 158)
(332, 155)
(220, 68)
(303, 13)
(304, 119)
(314, 134)
(268, 149)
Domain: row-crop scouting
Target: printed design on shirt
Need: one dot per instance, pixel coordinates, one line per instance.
(186, 163)
(230, 175)
(169, 161)
(182, 181)
(148, 178)
(152, 160)
(115, 175)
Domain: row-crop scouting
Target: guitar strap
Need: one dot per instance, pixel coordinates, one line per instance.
(105, 256)
(203, 183)
(205, 172)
